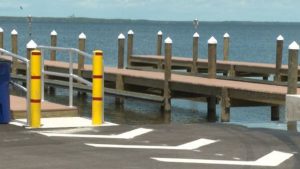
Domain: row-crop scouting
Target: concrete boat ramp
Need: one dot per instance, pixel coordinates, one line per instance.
(165, 146)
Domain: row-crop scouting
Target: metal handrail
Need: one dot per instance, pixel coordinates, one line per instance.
(69, 75)
(66, 50)
(27, 89)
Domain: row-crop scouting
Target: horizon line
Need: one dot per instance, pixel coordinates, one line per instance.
(146, 20)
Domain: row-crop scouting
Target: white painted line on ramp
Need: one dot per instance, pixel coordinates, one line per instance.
(127, 135)
(273, 159)
(187, 146)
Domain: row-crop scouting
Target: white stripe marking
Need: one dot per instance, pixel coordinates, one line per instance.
(273, 159)
(188, 146)
(127, 135)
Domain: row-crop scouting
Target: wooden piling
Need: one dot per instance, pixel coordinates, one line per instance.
(226, 42)
(279, 49)
(129, 47)
(31, 45)
(53, 43)
(159, 43)
(14, 49)
(274, 113)
(212, 59)
(225, 105)
(80, 62)
(195, 52)
(81, 46)
(1, 38)
(53, 36)
(293, 78)
(168, 63)
(119, 78)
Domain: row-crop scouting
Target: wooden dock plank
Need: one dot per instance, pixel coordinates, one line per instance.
(49, 109)
(250, 67)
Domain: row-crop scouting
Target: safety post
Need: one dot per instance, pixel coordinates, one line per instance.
(35, 89)
(98, 88)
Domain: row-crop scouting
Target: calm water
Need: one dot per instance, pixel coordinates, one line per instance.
(250, 41)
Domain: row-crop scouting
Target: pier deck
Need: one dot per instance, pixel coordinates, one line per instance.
(240, 68)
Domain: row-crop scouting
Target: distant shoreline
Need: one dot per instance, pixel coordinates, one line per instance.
(103, 20)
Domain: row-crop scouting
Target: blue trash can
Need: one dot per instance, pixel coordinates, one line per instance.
(5, 115)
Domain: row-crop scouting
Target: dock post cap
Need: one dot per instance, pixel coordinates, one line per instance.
(82, 36)
(53, 33)
(31, 45)
(1, 30)
(130, 32)
(280, 38)
(14, 32)
(212, 40)
(168, 40)
(294, 46)
(121, 36)
(196, 35)
(226, 35)
(159, 33)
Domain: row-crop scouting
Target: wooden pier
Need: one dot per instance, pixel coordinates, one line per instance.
(149, 85)
(155, 77)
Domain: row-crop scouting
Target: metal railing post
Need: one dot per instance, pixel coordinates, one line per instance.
(70, 80)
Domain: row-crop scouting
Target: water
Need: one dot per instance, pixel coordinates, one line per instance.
(250, 41)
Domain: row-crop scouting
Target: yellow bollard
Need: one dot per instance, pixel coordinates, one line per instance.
(98, 88)
(35, 89)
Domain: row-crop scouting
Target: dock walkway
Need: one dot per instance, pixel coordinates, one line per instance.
(49, 109)
(238, 67)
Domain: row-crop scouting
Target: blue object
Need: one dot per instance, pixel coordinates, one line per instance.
(5, 115)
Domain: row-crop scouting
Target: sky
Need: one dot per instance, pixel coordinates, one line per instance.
(170, 10)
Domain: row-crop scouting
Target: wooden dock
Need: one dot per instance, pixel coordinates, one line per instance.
(149, 85)
(49, 109)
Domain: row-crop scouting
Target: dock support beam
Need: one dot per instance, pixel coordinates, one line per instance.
(293, 78)
(98, 89)
(130, 35)
(212, 59)
(119, 78)
(35, 89)
(225, 106)
(14, 49)
(195, 52)
(274, 113)
(279, 49)
(159, 43)
(168, 63)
